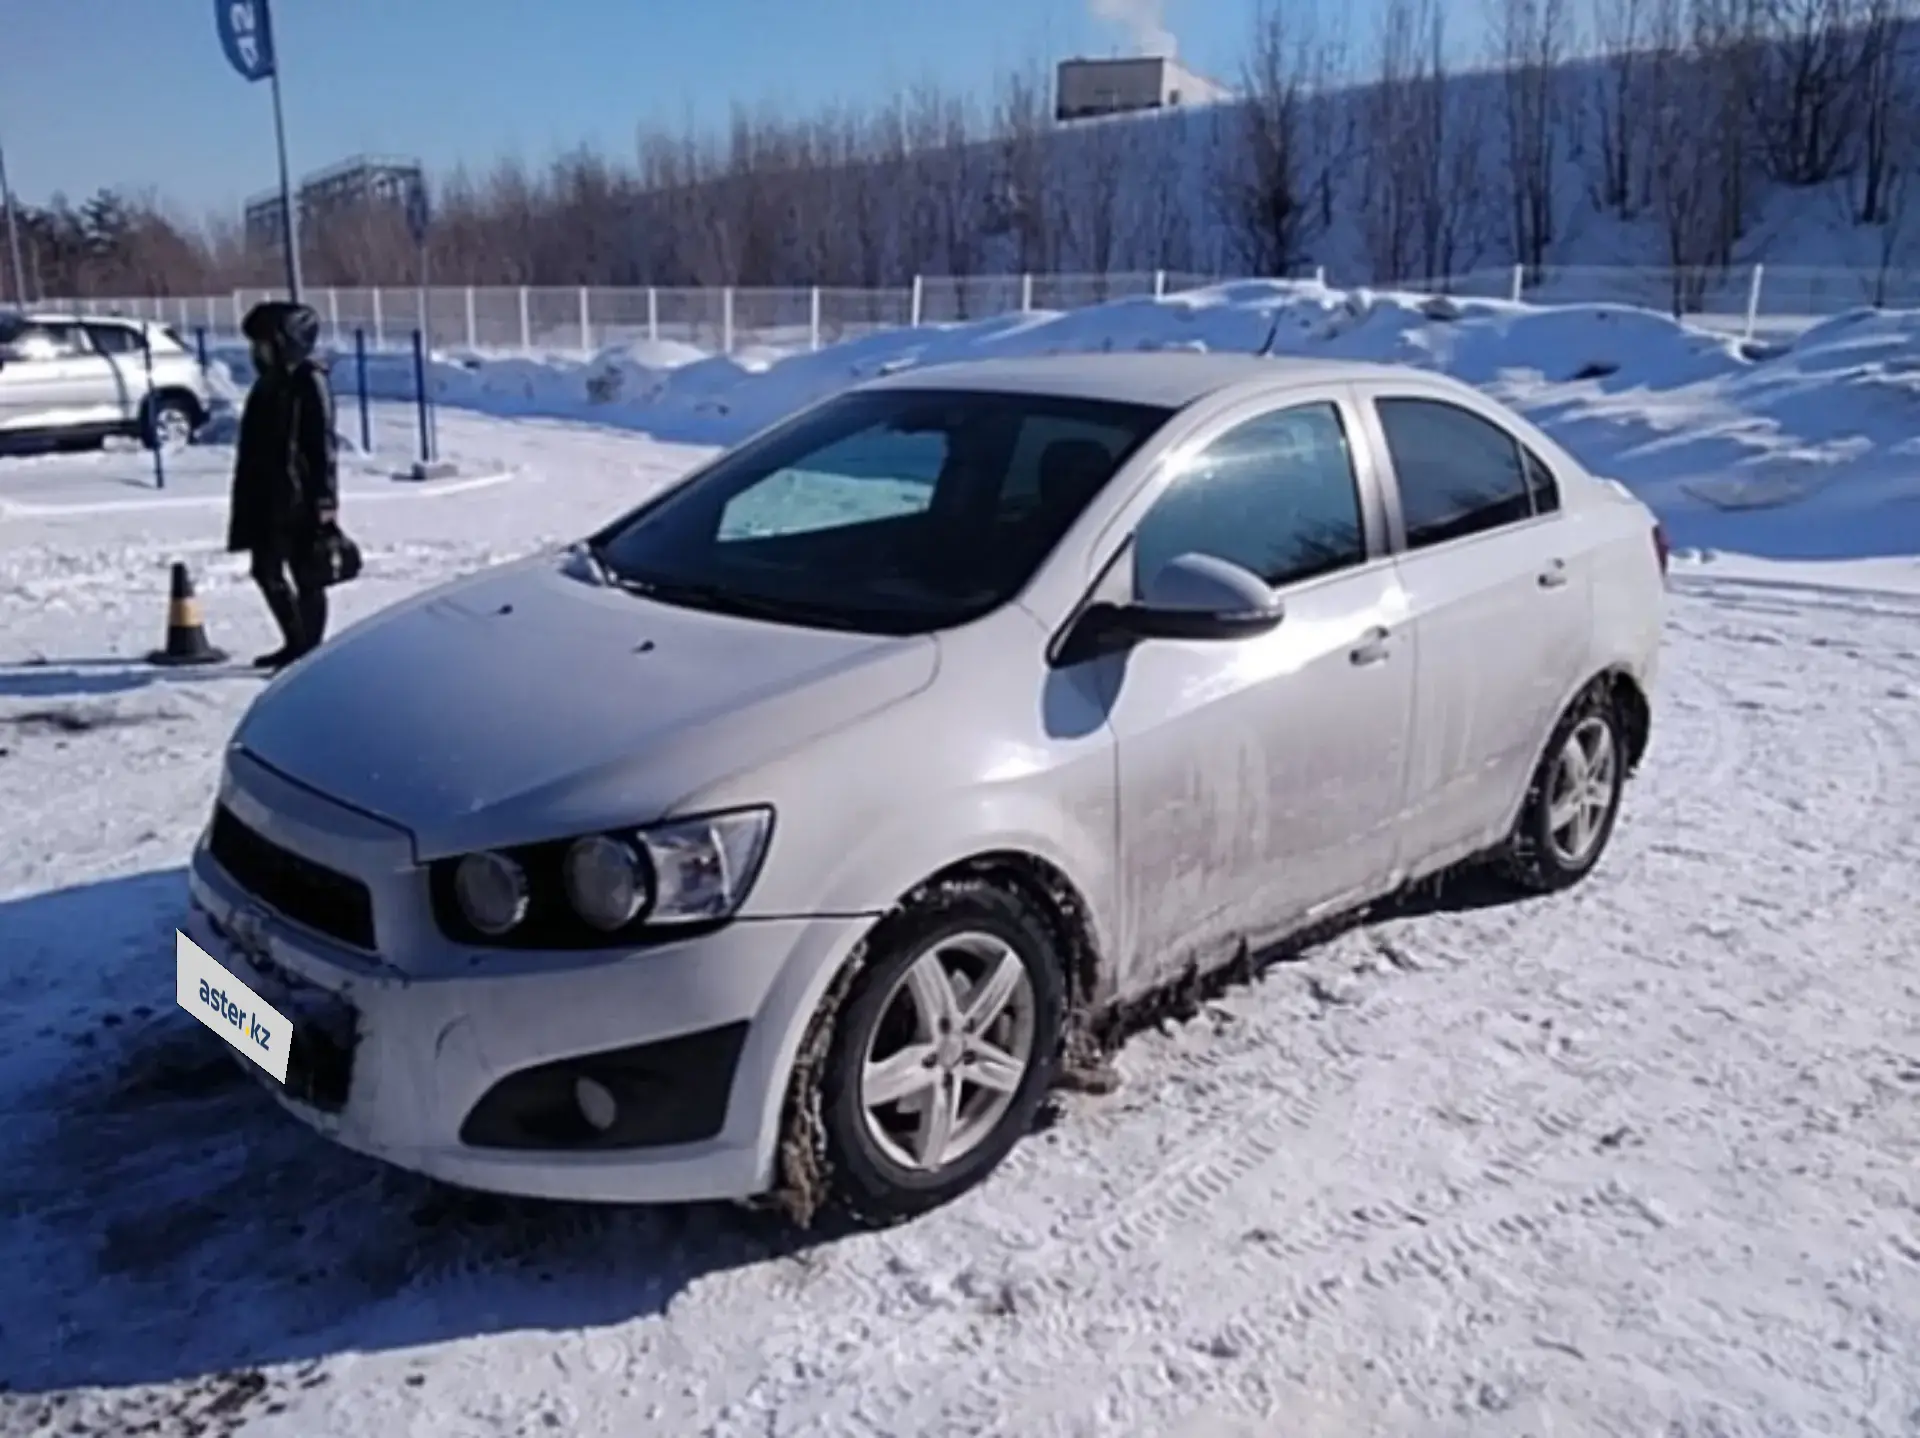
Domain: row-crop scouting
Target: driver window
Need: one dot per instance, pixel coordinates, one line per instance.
(1276, 495)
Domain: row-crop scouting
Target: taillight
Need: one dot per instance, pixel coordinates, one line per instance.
(1662, 549)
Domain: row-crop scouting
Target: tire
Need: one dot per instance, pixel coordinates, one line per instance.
(170, 423)
(879, 1163)
(1546, 852)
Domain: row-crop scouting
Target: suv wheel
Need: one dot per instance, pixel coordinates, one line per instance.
(170, 424)
(947, 1044)
(1574, 801)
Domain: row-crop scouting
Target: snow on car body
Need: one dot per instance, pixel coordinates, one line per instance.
(968, 702)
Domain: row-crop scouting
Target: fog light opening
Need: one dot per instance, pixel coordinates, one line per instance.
(596, 1103)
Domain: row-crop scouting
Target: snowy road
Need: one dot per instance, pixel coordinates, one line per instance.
(1643, 1157)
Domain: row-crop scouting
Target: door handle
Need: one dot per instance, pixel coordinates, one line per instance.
(1554, 576)
(1374, 649)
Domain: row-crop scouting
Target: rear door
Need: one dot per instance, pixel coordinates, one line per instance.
(55, 379)
(1499, 592)
(127, 361)
(1261, 779)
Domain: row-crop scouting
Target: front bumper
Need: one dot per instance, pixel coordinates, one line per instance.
(394, 1052)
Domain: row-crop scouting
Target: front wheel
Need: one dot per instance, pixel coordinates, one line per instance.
(1573, 802)
(943, 1052)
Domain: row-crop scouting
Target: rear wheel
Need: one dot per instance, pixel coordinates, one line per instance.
(1573, 802)
(170, 423)
(943, 1052)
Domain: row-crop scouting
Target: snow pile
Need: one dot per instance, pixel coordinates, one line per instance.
(1800, 451)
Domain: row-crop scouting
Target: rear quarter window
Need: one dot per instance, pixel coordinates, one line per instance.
(1458, 474)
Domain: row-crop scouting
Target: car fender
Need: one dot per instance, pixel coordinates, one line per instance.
(889, 865)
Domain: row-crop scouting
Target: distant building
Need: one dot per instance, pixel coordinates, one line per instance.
(351, 184)
(1084, 89)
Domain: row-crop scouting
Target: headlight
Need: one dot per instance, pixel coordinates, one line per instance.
(609, 882)
(492, 890)
(597, 890)
(703, 867)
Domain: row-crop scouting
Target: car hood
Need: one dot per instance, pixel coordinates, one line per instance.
(527, 703)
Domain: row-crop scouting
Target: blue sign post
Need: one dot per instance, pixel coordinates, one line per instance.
(246, 35)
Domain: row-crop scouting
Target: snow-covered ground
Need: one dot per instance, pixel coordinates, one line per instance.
(1639, 1158)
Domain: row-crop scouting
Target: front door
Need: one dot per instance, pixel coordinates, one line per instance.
(1260, 779)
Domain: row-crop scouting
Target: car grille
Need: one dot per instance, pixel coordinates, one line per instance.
(306, 892)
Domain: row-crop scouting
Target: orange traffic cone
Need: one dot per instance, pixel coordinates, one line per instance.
(186, 635)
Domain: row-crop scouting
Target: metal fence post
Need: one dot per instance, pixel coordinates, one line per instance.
(1519, 282)
(473, 330)
(1159, 284)
(360, 368)
(813, 318)
(420, 393)
(1753, 299)
(379, 324)
(153, 414)
(200, 343)
(653, 314)
(1026, 294)
(586, 324)
(914, 314)
(526, 320)
(333, 312)
(726, 320)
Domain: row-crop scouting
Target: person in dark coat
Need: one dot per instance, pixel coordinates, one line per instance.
(286, 489)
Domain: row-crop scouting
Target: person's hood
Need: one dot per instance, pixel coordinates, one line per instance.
(526, 704)
(290, 332)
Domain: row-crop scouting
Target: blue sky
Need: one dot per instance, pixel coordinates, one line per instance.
(137, 92)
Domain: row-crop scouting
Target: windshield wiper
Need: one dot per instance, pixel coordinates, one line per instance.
(691, 594)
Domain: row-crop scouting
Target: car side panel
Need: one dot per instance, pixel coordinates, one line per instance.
(997, 754)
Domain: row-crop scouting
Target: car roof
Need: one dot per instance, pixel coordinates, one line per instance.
(59, 317)
(1172, 379)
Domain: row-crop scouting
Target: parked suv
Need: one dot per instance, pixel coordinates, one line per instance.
(73, 379)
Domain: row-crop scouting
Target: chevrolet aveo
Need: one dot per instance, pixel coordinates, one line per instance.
(784, 833)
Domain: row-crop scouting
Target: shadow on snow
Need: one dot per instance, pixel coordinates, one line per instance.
(164, 1219)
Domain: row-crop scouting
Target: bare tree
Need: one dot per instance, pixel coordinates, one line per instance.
(1804, 108)
(1391, 168)
(1093, 175)
(1696, 148)
(1627, 91)
(1885, 110)
(1275, 189)
(1532, 38)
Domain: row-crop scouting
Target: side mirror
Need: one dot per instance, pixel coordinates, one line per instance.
(1194, 597)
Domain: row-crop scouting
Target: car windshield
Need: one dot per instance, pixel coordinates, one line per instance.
(885, 511)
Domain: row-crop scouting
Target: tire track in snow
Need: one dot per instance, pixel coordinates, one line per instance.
(1185, 1183)
(1368, 1243)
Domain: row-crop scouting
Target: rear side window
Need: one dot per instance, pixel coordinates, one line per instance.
(1275, 495)
(1459, 474)
(115, 339)
(36, 341)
